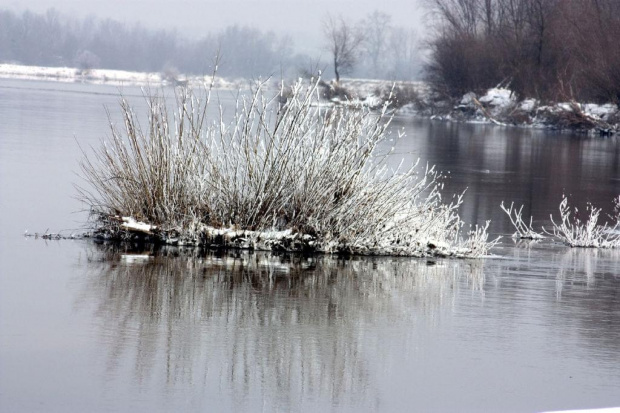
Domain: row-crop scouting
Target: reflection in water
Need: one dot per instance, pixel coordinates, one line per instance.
(586, 287)
(319, 332)
(588, 284)
(291, 327)
(283, 331)
(579, 266)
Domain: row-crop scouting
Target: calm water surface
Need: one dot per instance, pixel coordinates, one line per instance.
(87, 327)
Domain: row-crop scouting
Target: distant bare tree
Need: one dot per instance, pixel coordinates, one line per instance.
(343, 42)
(403, 55)
(481, 43)
(457, 16)
(593, 30)
(378, 26)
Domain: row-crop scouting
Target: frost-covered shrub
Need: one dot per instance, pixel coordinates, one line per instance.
(170, 73)
(335, 90)
(523, 230)
(572, 230)
(589, 233)
(315, 173)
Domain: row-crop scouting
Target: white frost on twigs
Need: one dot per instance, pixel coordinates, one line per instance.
(589, 234)
(524, 231)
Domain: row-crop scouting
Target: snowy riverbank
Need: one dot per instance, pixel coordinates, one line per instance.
(499, 106)
(106, 76)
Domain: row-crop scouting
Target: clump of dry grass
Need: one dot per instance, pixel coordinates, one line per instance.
(292, 166)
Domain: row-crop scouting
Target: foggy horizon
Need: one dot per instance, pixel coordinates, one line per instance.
(299, 19)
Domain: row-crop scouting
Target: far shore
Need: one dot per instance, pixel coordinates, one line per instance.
(108, 76)
(497, 106)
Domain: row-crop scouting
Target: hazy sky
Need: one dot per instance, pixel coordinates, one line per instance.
(300, 18)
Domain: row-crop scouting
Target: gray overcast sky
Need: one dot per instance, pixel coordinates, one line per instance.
(300, 18)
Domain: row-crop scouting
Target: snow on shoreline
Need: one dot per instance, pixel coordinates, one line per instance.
(205, 236)
(499, 105)
(106, 76)
(503, 107)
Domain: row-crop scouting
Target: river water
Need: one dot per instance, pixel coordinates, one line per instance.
(86, 327)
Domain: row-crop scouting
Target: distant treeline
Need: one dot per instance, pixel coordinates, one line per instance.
(549, 49)
(51, 39)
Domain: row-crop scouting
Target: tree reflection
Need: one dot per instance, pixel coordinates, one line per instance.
(280, 329)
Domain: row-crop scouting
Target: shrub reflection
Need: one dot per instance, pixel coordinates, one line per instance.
(291, 327)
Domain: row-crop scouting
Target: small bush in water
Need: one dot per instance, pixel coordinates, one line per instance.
(315, 173)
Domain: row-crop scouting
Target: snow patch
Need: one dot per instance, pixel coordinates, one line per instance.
(528, 105)
(131, 224)
(499, 98)
(468, 99)
(135, 258)
(600, 111)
